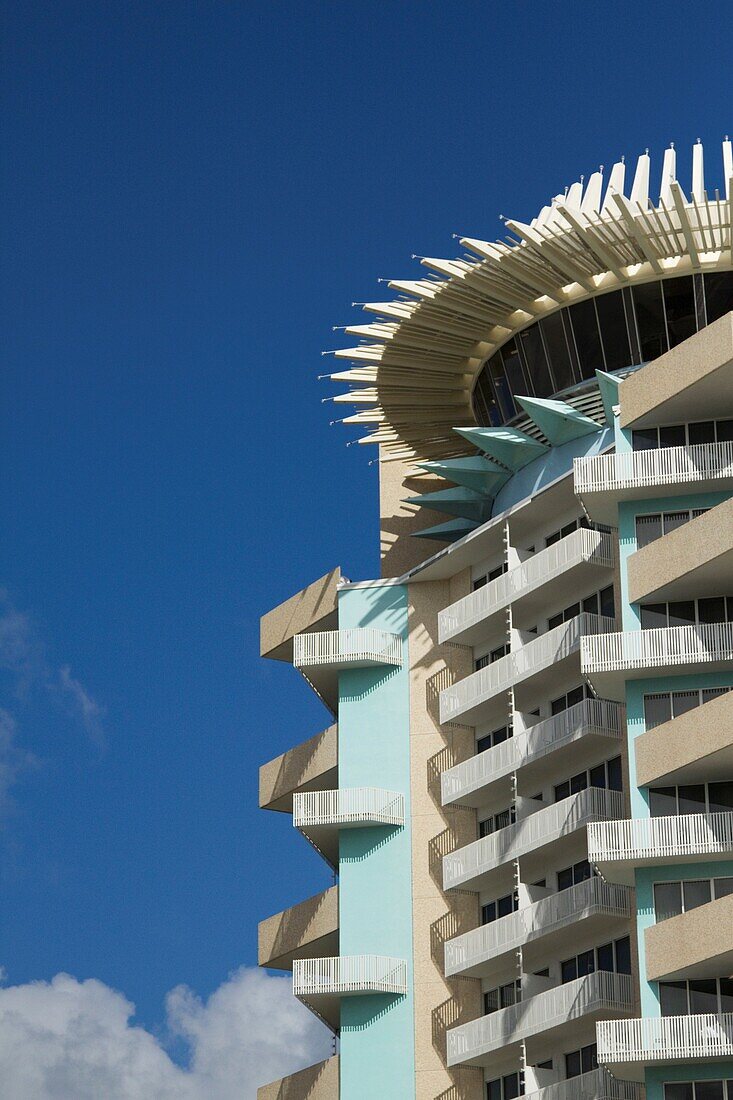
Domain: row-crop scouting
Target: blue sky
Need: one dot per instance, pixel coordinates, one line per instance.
(193, 194)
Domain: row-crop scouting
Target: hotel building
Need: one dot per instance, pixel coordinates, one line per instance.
(524, 785)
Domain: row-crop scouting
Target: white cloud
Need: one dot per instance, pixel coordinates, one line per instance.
(84, 706)
(73, 1040)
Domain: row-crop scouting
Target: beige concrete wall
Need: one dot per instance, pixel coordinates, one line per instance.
(312, 765)
(313, 608)
(698, 944)
(440, 1003)
(703, 736)
(694, 552)
(681, 384)
(304, 931)
(319, 1082)
(399, 552)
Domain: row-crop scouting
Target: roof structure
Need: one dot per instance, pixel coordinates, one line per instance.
(412, 373)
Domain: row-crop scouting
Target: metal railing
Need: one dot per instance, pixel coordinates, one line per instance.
(602, 991)
(349, 974)
(665, 1038)
(541, 827)
(666, 466)
(347, 647)
(539, 919)
(582, 545)
(656, 837)
(666, 645)
(540, 653)
(588, 716)
(598, 1084)
(349, 805)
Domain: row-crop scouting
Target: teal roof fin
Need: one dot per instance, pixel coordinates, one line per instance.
(608, 385)
(478, 473)
(463, 502)
(509, 446)
(448, 532)
(558, 421)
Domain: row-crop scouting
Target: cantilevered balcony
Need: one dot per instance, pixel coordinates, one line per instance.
(321, 983)
(303, 931)
(602, 481)
(310, 766)
(538, 659)
(618, 847)
(552, 1013)
(321, 1082)
(322, 654)
(476, 861)
(608, 660)
(550, 924)
(596, 1085)
(566, 564)
(591, 720)
(690, 748)
(626, 1047)
(320, 815)
(694, 944)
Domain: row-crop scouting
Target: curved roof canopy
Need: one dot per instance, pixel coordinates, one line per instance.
(413, 371)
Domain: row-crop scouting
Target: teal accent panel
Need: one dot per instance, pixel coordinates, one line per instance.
(549, 467)
(375, 864)
(557, 420)
(707, 1071)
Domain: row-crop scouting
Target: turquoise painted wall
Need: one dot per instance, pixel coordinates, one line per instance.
(712, 1071)
(375, 864)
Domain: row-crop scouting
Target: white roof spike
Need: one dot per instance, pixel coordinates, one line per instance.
(615, 183)
(727, 165)
(669, 173)
(640, 186)
(574, 196)
(698, 174)
(591, 203)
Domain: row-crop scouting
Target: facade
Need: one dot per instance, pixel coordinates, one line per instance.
(524, 783)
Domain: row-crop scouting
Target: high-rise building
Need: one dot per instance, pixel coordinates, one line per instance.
(526, 789)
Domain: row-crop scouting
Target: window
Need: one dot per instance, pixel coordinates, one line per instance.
(567, 529)
(673, 898)
(691, 798)
(698, 1090)
(502, 907)
(597, 603)
(503, 997)
(696, 997)
(495, 822)
(571, 876)
(661, 707)
(492, 575)
(489, 658)
(716, 609)
(606, 775)
(651, 527)
(496, 737)
(613, 957)
(570, 699)
(503, 1088)
(682, 435)
(584, 1060)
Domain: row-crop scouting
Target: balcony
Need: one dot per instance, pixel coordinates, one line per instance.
(552, 919)
(476, 861)
(695, 944)
(626, 1047)
(310, 766)
(321, 983)
(322, 654)
(618, 847)
(602, 481)
(551, 1013)
(596, 1085)
(537, 660)
(470, 782)
(690, 748)
(609, 660)
(320, 815)
(566, 564)
(313, 608)
(305, 930)
(319, 1082)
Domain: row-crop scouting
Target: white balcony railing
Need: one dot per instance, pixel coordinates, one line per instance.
(582, 545)
(553, 646)
(596, 1085)
(637, 840)
(665, 1038)
(360, 646)
(599, 992)
(348, 975)
(666, 466)
(589, 716)
(662, 647)
(533, 921)
(540, 828)
(348, 806)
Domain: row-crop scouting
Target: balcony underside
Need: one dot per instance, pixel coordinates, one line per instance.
(689, 749)
(305, 931)
(696, 944)
(310, 766)
(601, 506)
(611, 683)
(666, 1041)
(622, 870)
(325, 838)
(318, 1082)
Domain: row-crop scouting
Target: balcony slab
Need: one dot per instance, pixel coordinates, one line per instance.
(688, 749)
(306, 931)
(696, 944)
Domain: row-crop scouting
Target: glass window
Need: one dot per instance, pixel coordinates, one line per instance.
(586, 963)
(590, 604)
(623, 955)
(532, 350)
(572, 1065)
(488, 913)
(673, 520)
(503, 394)
(605, 957)
(712, 610)
(703, 995)
(510, 1084)
(491, 1001)
(673, 998)
(709, 1090)
(653, 615)
(683, 701)
(667, 900)
(562, 790)
(513, 368)
(718, 294)
(587, 337)
(578, 782)
(615, 777)
(726, 994)
(614, 334)
(648, 529)
(723, 887)
(696, 893)
(650, 320)
(565, 878)
(493, 1091)
(681, 613)
(657, 709)
(712, 693)
(483, 743)
(702, 432)
(724, 431)
(608, 608)
(677, 1090)
(679, 304)
(553, 332)
(721, 797)
(645, 439)
(509, 994)
(568, 971)
(598, 776)
(662, 801)
(673, 435)
(691, 798)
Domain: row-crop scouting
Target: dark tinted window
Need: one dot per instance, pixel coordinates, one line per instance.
(650, 320)
(679, 304)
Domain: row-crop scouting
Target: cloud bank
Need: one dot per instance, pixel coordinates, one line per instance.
(74, 1040)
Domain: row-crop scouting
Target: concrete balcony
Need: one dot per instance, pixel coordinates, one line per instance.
(321, 655)
(695, 944)
(550, 924)
(320, 815)
(618, 847)
(689, 749)
(603, 481)
(472, 781)
(609, 660)
(313, 608)
(566, 565)
(626, 1047)
(694, 561)
(596, 1085)
(552, 1013)
(310, 766)
(537, 660)
(305, 931)
(319, 1082)
(321, 983)
(475, 862)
